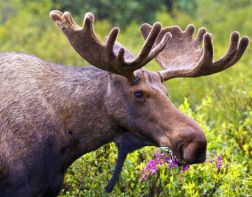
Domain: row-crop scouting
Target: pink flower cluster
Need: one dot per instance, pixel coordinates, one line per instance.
(159, 160)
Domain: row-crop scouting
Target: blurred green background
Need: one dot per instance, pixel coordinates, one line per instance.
(221, 103)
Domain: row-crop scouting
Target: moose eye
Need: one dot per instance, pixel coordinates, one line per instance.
(138, 94)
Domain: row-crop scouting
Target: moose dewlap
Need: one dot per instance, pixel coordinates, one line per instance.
(50, 114)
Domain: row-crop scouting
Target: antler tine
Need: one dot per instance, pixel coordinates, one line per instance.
(200, 36)
(190, 30)
(243, 44)
(149, 42)
(147, 53)
(235, 51)
(183, 57)
(111, 40)
(155, 51)
(206, 58)
(111, 56)
(88, 22)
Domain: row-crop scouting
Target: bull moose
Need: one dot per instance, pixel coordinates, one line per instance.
(51, 114)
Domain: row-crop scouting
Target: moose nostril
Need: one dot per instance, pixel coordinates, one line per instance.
(200, 159)
(201, 154)
(194, 152)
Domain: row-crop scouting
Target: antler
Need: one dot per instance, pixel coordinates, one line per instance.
(183, 57)
(110, 56)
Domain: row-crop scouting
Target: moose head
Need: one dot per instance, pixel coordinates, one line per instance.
(137, 98)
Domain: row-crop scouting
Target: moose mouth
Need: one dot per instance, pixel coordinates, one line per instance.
(179, 153)
(191, 153)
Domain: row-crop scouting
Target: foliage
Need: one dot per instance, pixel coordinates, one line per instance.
(123, 11)
(222, 103)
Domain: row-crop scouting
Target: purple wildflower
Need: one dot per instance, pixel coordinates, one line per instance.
(152, 166)
(185, 168)
(158, 155)
(167, 159)
(219, 162)
(176, 162)
(172, 163)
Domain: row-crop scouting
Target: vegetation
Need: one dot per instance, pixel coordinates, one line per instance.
(221, 103)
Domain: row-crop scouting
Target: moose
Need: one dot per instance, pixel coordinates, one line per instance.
(51, 114)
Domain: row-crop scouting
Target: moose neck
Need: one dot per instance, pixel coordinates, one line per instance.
(78, 98)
